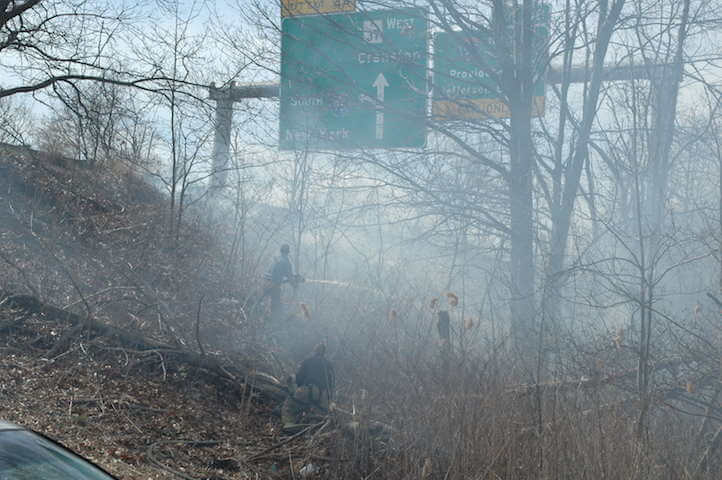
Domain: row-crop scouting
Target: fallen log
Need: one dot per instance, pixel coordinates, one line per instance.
(224, 372)
(585, 382)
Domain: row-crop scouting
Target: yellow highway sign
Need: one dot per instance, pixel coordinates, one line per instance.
(477, 108)
(294, 8)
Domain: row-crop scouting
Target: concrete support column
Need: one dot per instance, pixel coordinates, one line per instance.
(222, 137)
(225, 97)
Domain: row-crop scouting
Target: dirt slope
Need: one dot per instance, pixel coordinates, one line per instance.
(92, 243)
(120, 409)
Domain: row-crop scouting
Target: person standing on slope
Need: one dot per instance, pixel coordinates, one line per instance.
(281, 272)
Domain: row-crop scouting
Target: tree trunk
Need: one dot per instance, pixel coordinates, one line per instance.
(516, 58)
(522, 236)
(562, 213)
(665, 89)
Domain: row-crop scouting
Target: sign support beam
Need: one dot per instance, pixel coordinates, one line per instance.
(225, 96)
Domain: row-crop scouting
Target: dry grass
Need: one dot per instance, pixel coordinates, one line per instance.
(456, 411)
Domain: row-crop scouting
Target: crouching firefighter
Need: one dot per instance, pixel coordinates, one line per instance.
(311, 391)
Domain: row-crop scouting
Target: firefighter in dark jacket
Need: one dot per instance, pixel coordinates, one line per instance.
(317, 373)
(310, 392)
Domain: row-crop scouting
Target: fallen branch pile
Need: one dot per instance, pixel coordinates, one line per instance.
(223, 372)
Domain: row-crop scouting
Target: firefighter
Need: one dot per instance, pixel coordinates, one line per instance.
(317, 373)
(310, 392)
(281, 272)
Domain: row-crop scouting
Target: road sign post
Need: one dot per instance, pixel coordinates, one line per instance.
(354, 80)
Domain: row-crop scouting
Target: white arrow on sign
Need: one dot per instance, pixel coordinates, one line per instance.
(380, 83)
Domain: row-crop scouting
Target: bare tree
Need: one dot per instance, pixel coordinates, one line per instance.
(174, 50)
(88, 122)
(47, 42)
(15, 121)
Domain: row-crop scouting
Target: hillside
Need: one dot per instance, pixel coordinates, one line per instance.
(100, 349)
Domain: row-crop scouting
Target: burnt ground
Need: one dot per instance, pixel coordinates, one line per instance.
(122, 411)
(134, 415)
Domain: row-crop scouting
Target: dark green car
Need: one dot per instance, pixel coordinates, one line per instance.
(26, 455)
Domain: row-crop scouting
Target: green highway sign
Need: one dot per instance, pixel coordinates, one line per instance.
(466, 73)
(356, 80)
